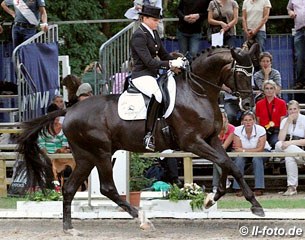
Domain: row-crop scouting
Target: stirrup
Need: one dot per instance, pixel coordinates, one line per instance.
(149, 142)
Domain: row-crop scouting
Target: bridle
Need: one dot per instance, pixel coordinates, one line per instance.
(235, 68)
(247, 70)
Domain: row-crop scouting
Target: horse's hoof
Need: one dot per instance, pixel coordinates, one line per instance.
(209, 200)
(259, 211)
(73, 232)
(147, 226)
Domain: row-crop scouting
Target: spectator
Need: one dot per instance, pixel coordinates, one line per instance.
(191, 14)
(84, 91)
(231, 106)
(267, 72)
(1, 28)
(54, 142)
(270, 111)
(149, 56)
(229, 10)
(250, 137)
(133, 13)
(255, 14)
(296, 11)
(26, 16)
(59, 101)
(226, 136)
(292, 139)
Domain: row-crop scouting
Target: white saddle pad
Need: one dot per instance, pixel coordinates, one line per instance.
(131, 106)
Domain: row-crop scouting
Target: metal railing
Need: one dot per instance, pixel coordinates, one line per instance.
(114, 55)
(26, 97)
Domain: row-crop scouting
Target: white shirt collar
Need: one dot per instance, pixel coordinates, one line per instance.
(149, 29)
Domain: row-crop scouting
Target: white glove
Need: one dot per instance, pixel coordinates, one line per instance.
(178, 63)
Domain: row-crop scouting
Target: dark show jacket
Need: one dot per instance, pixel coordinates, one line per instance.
(146, 52)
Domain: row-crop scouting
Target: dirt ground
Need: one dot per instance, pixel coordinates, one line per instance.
(166, 229)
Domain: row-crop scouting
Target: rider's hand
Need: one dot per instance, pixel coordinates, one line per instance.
(176, 63)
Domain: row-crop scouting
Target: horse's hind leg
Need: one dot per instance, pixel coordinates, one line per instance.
(77, 177)
(108, 189)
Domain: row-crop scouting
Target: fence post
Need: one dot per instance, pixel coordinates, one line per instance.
(3, 187)
(188, 169)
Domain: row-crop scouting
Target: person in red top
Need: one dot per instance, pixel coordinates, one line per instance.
(226, 136)
(270, 111)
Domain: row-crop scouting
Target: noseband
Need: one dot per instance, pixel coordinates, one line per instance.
(247, 70)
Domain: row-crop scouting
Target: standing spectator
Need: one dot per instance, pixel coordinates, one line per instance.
(255, 14)
(267, 72)
(226, 136)
(191, 14)
(250, 137)
(229, 10)
(292, 139)
(133, 13)
(26, 16)
(1, 28)
(270, 111)
(296, 11)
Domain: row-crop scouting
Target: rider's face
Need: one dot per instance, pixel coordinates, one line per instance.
(151, 22)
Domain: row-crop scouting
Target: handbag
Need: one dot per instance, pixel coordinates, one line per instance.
(216, 28)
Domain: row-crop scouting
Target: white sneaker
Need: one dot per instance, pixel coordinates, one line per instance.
(214, 189)
(291, 190)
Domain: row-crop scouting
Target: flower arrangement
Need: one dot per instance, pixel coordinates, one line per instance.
(190, 191)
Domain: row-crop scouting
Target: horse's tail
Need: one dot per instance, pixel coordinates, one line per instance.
(38, 164)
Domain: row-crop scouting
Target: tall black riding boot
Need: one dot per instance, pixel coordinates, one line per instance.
(151, 118)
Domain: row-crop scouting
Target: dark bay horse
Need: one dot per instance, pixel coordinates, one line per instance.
(95, 131)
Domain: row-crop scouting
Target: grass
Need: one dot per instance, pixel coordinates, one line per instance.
(10, 202)
(239, 203)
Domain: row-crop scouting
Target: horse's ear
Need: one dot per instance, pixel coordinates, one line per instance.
(235, 54)
(254, 50)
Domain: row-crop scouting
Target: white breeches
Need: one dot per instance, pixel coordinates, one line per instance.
(149, 86)
(291, 163)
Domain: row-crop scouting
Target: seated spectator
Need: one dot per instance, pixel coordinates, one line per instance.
(59, 101)
(54, 142)
(270, 111)
(267, 73)
(84, 91)
(250, 137)
(226, 136)
(292, 139)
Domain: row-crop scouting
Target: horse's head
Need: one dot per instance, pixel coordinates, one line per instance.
(242, 69)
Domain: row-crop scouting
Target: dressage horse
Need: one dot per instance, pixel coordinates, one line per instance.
(95, 131)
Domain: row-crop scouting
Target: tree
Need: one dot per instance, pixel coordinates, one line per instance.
(80, 41)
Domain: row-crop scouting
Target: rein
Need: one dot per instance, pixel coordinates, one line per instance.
(235, 68)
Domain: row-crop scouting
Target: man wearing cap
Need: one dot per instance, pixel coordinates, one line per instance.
(84, 91)
(149, 55)
(26, 14)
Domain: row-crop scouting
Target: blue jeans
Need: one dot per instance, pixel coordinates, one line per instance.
(299, 51)
(258, 169)
(230, 41)
(20, 34)
(189, 44)
(260, 38)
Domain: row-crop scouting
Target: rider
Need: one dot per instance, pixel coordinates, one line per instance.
(149, 55)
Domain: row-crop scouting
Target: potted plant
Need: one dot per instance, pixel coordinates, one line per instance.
(137, 179)
(191, 192)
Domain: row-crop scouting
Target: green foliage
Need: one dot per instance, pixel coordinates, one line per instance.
(81, 41)
(49, 195)
(138, 166)
(189, 192)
